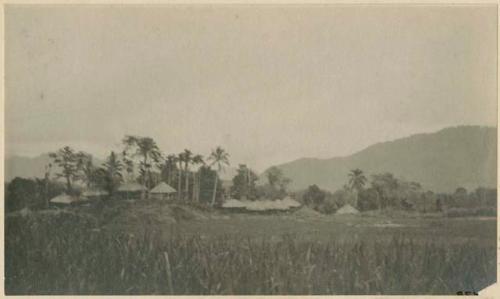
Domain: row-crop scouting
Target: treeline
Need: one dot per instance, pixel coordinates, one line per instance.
(385, 191)
(195, 178)
(244, 185)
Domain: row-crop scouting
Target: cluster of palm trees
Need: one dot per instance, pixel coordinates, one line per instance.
(143, 154)
(181, 163)
(176, 166)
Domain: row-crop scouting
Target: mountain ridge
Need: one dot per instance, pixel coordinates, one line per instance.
(439, 160)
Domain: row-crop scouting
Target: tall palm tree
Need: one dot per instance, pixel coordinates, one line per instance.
(147, 149)
(188, 157)
(357, 181)
(220, 158)
(48, 168)
(170, 166)
(86, 165)
(197, 160)
(112, 170)
(180, 160)
(129, 166)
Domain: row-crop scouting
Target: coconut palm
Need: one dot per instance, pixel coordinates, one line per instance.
(168, 167)
(180, 160)
(188, 157)
(147, 150)
(197, 160)
(220, 158)
(112, 169)
(357, 180)
(48, 168)
(86, 165)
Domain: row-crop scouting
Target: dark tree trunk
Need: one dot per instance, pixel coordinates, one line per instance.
(215, 189)
(68, 184)
(186, 177)
(179, 179)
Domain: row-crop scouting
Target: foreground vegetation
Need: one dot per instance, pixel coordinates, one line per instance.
(68, 253)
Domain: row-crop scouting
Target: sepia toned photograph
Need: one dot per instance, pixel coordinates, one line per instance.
(250, 149)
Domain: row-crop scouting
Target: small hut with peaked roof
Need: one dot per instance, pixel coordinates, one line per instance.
(64, 199)
(131, 190)
(347, 209)
(162, 191)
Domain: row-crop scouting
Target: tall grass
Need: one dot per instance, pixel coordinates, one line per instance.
(67, 254)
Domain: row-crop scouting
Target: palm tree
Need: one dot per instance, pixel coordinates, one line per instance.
(180, 160)
(188, 157)
(87, 167)
(169, 166)
(220, 158)
(146, 148)
(112, 169)
(129, 166)
(48, 167)
(357, 181)
(197, 160)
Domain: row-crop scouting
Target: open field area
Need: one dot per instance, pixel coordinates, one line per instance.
(120, 247)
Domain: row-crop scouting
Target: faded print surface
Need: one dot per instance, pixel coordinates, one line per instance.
(250, 149)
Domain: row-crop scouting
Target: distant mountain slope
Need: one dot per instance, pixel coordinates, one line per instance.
(458, 156)
(25, 167)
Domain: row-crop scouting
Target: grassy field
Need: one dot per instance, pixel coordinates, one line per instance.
(155, 248)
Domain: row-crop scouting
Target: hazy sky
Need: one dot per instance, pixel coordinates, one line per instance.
(268, 83)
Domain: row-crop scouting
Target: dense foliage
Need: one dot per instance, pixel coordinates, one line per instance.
(388, 192)
(29, 193)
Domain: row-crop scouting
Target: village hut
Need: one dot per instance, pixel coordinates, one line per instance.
(261, 206)
(94, 194)
(131, 190)
(162, 191)
(266, 206)
(291, 203)
(66, 200)
(234, 205)
(347, 209)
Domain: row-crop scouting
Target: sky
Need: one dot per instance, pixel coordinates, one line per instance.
(268, 83)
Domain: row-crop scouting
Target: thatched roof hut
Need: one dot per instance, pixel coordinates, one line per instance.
(162, 191)
(347, 209)
(291, 203)
(162, 188)
(65, 199)
(131, 187)
(234, 204)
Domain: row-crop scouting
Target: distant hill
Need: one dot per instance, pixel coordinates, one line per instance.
(441, 161)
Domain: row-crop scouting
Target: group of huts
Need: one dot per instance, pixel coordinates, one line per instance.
(287, 204)
(127, 191)
(163, 191)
